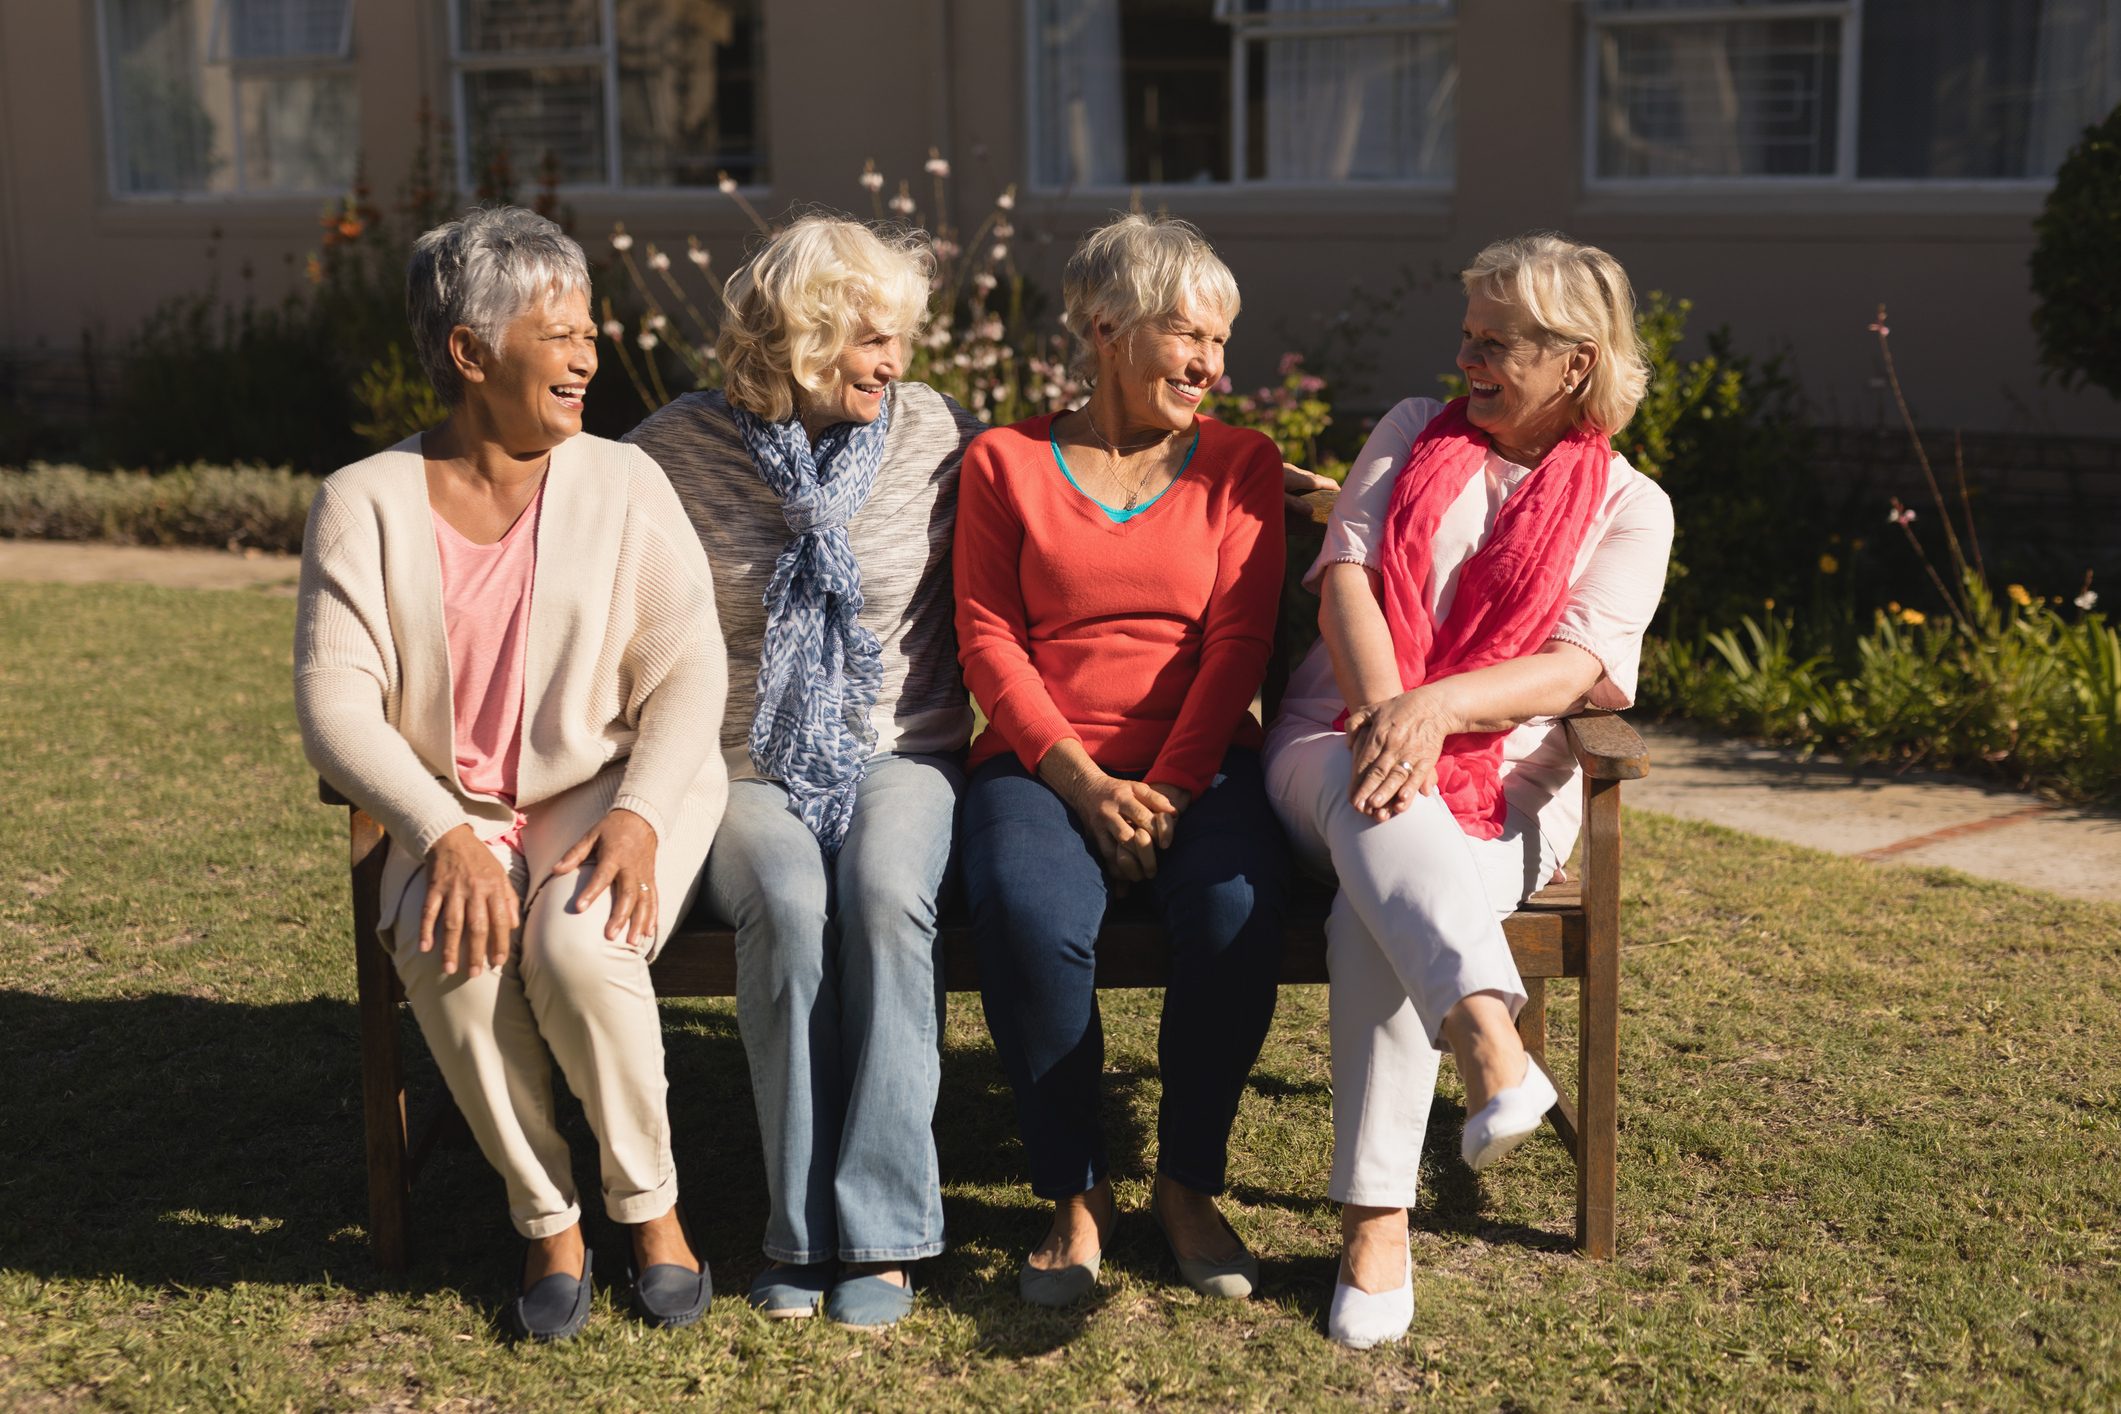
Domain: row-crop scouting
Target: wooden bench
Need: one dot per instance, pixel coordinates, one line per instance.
(1569, 930)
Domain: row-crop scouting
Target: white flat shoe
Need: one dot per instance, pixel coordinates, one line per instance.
(1509, 1118)
(1360, 1319)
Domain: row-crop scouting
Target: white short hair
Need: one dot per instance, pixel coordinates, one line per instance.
(791, 308)
(1135, 270)
(481, 272)
(1576, 294)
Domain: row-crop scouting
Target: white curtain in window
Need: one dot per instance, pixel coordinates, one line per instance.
(1082, 118)
(1363, 108)
(2069, 80)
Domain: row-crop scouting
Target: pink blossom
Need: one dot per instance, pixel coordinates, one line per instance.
(1007, 200)
(1900, 515)
(614, 330)
(936, 166)
(1289, 363)
(1312, 383)
(1880, 329)
(658, 261)
(727, 184)
(646, 340)
(698, 255)
(872, 179)
(621, 241)
(1223, 384)
(998, 254)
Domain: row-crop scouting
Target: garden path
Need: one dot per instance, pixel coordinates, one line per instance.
(75, 562)
(1917, 818)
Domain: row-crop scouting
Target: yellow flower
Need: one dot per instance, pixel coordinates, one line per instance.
(1828, 564)
(1893, 608)
(2019, 596)
(1912, 616)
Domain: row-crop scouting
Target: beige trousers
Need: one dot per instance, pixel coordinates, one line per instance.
(566, 994)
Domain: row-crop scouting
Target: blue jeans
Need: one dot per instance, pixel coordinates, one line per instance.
(1039, 892)
(840, 1001)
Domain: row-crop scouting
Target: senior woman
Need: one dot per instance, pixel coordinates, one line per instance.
(505, 648)
(1118, 571)
(824, 489)
(1491, 565)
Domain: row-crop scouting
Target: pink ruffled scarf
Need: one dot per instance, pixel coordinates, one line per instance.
(1510, 594)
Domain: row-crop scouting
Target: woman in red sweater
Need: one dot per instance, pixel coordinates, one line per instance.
(1119, 570)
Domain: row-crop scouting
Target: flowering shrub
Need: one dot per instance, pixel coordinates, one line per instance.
(978, 346)
(2008, 684)
(1294, 414)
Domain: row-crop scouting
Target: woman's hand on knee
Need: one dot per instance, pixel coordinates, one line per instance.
(1165, 827)
(471, 908)
(1395, 744)
(623, 846)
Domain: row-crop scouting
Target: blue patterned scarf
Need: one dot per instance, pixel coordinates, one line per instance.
(819, 670)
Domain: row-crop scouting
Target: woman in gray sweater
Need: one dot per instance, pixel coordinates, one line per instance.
(825, 493)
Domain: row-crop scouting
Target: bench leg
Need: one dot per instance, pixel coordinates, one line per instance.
(382, 1067)
(1598, 1029)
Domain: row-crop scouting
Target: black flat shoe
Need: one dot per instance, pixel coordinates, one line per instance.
(667, 1295)
(557, 1307)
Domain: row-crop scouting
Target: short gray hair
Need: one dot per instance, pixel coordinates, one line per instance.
(482, 271)
(1136, 269)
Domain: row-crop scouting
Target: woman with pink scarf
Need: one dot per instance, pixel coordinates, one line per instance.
(1491, 565)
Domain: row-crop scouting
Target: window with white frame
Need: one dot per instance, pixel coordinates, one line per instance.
(616, 93)
(229, 97)
(1129, 92)
(1906, 90)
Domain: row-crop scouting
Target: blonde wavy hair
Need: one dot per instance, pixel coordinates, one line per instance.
(1134, 270)
(802, 297)
(1576, 294)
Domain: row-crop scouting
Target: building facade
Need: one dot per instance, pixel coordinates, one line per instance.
(1788, 165)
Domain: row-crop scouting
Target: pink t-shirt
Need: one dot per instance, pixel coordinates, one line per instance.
(486, 609)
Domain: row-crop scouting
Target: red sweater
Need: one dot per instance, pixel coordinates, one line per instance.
(1143, 641)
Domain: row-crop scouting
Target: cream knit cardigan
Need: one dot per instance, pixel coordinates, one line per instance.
(625, 678)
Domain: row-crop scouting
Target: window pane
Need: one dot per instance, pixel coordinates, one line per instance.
(1374, 108)
(301, 131)
(169, 111)
(1747, 99)
(487, 25)
(1082, 139)
(281, 29)
(1979, 88)
(525, 113)
(1176, 85)
(1639, 6)
(689, 92)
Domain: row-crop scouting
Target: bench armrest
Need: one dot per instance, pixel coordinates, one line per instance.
(1607, 747)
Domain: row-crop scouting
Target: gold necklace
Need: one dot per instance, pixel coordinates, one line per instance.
(1141, 486)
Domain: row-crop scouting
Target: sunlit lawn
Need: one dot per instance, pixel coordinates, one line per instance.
(1870, 1148)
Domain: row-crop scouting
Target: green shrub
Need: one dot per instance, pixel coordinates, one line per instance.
(220, 506)
(2076, 264)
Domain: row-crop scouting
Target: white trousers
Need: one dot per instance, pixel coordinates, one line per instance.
(1415, 929)
(588, 999)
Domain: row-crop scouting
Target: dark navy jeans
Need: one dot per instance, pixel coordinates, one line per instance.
(1039, 892)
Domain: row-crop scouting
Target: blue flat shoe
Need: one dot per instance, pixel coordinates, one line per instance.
(869, 1301)
(556, 1307)
(671, 1296)
(791, 1293)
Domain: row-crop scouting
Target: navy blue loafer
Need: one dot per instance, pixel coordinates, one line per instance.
(669, 1296)
(869, 1301)
(791, 1293)
(556, 1307)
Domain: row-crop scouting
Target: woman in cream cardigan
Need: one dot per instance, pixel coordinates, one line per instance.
(506, 651)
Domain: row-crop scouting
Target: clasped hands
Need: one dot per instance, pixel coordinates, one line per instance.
(1128, 821)
(1396, 744)
(473, 911)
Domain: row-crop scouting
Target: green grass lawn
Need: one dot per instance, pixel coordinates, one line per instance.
(1870, 1134)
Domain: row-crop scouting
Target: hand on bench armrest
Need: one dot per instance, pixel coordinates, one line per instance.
(1607, 747)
